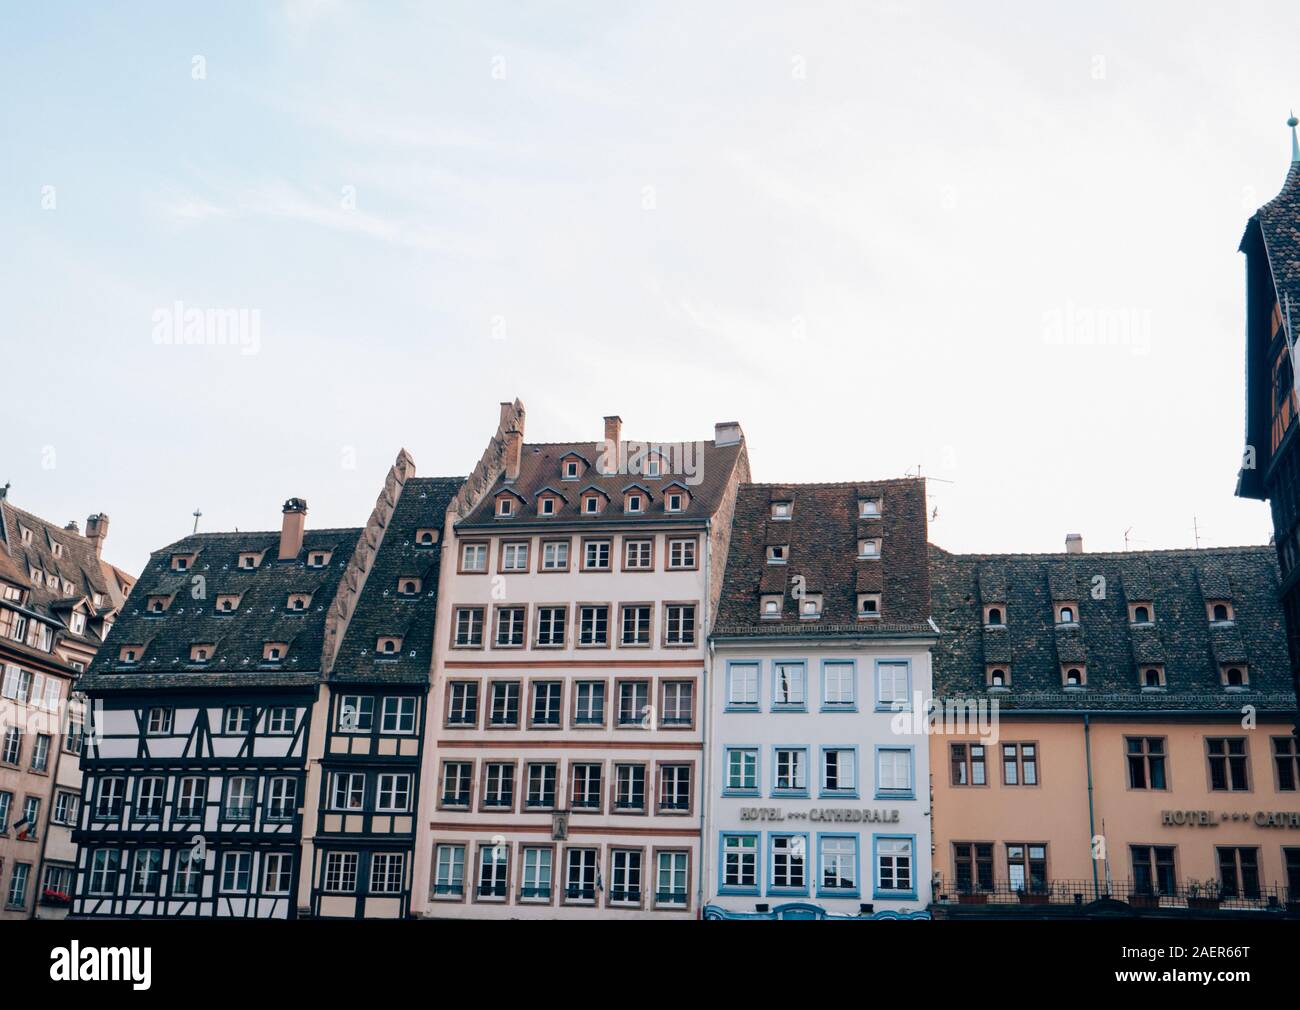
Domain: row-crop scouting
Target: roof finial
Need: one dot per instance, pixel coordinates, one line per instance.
(1295, 144)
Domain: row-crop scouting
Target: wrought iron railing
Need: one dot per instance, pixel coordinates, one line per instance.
(1192, 895)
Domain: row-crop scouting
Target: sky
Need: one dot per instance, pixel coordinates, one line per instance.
(994, 241)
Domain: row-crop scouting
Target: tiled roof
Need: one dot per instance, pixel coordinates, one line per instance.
(822, 535)
(381, 610)
(539, 470)
(1279, 221)
(1177, 584)
(238, 637)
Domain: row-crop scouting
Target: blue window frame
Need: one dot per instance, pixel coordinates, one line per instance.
(742, 687)
(738, 871)
(895, 773)
(893, 685)
(789, 771)
(838, 774)
(839, 685)
(839, 866)
(740, 771)
(789, 685)
(787, 863)
(893, 859)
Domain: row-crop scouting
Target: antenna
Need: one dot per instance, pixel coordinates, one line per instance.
(197, 515)
(1196, 532)
(1126, 533)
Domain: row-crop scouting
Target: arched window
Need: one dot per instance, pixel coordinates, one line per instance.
(1220, 612)
(1234, 677)
(995, 616)
(1141, 615)
(1067, 615)
(1073, 677)
(1151, 678)
(998, 678)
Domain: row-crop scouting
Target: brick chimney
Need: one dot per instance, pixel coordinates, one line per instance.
(291, 529)
(97, 531)
(1073, 543)
(613, 430)
(514, 452)
(728, 433)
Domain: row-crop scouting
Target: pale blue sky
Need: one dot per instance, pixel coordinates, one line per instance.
(862, 230)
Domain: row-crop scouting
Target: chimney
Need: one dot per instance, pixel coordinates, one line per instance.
(1073, 543)
(727, 433)
(613, 430)
(514, 451)
(72, 527)
(97, 531)
(291, 530)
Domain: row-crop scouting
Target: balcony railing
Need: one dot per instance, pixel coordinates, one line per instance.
(1190, 895)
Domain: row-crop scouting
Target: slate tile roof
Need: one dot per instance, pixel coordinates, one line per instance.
(1279, 222)
(381, 610)
(1177, 583)
(540, 469)
(238, 637)
(822, 534)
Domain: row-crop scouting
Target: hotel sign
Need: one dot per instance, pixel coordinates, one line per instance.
(1213, 818)
(822, 815)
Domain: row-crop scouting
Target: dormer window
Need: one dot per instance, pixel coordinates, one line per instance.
(227, 603)
(810, 608)
(654, 465)
(98, 599)
(770, 607)
(868, 606)
(318, 559)
(570, 469)
(25, 534)
(1073, 675)
(200, 653)
(1141, 612)
(1234, 676)
(778, 554)
(998, 675)
(572, 466)
(298, 601)
(548, 505)
(868, 508)
(249, 560)
(1067, 613)
(782, 509)
(426, 537)
(37, 576)
(129, 653)
(182, 562)
(77, 623)
(408, 585)
(590, 504)
(157, 604)
(1219, 611)
(274, 652)
(388, 645)
(632, 502)
(57, 548)
(1152, 677)
(869, 548)
(673, 502)
(994, 616)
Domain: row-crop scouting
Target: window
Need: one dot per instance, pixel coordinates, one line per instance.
(894, 866)
(145, 866)
(536, 885)
(499, 785)
(1027, 867)
(742, 771)
(319, 559)
(387, 645)
(150, 791)
(426, 537)
(791, 771)
(993, 617)
(200, 653)
(636, 625)
(1019, 764)
(551, 626)
(546, 505)
(1238, 872)
(469, 627)
(570, 469)
(1233, 676)
(894, 772)
(595, 555)
(1073, 676)
(280, 720)
(973, 862)
(191, 794)
(591, 504)
(41, 753)
(104, 865)
(839, 771)
(457, 779)
(674, 502)
(6, 801)
(789, 685)
(869, 548)
(838, 686)
(789, 865)
(236, 872)
(356, 713)
(341, 872)
(770, 607)
(394, 793)
(1146, 762)
(108, 801)
(679, 624)
(273, 652)
(78, 624)
(629, 788)
(671, 869)
(782, 509)
(17, 896)
(17, 684)
(407, 586)
(473, 557)
(868, 606)
(778, 554)
(677, 707)
(1140, 613)
(449, 871)
(1066, 613)
(1219, 611)
(742, 685)
(511, 622)
(580, 875)
(681, 553)
(638, 555)
(968, 764)
(65, 809)
(593, 625)
(740, 863)
(541, 777)
(1152, 678)
(514, 556)
(634, 703)
(998, 676)
(13, 746)
(347, 791)
(632, 503)
(555, 555)
(625, 876)
(387, 872)
(504, 710)
(837, 855)
(893, 686)
(547, 702)
(227, 603)
(589, 703)
(29, 825)
(1228, 764)
(281, 798)
(398, 714)
(277, 873)
(240, 792)
(675, 788)
(1153, 869)
(868, 508)
(585, 793)
(462, 703)
(810, 607)
(1287, 762)
(505, 507)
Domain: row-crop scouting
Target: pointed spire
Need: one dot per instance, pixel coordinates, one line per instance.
(1295, 144)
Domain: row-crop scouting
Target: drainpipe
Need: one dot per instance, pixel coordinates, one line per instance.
(706, 719)
(1092, 822)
